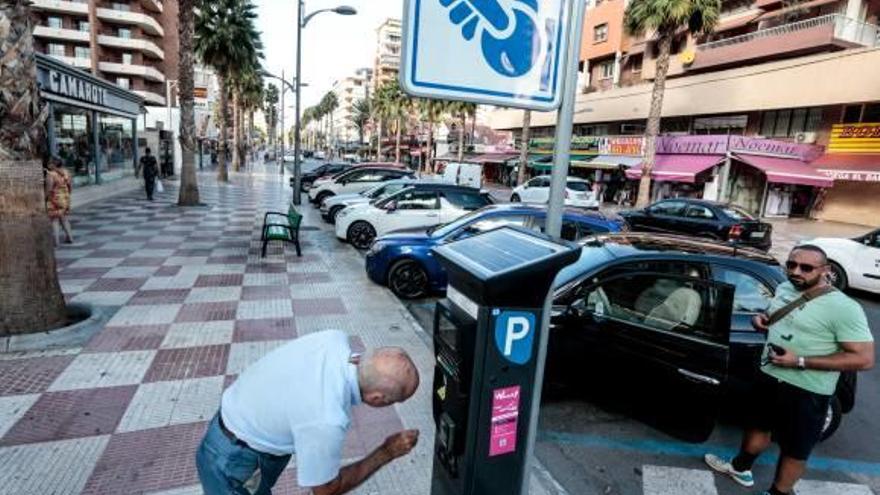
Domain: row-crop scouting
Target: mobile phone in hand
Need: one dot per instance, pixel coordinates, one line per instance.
(779, 351)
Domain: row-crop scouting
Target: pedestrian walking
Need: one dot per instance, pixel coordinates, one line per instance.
(58, 189)
(150, 169)
(814, 333)
(298, 399)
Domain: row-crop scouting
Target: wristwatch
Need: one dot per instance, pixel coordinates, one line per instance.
(802, 363)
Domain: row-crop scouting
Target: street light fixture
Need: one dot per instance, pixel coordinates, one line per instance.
(302, 20)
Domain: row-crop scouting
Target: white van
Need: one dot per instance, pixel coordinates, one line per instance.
(463, 174)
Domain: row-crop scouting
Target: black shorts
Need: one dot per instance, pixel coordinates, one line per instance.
(794, 416)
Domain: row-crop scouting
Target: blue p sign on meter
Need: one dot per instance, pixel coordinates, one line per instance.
(498, 52)
(514, 335)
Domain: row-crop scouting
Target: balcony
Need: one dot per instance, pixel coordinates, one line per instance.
(146, 22)
(152, 5)
(146, 46)
(818, 34)
(61, 34)
(82, 63)
(389, 60)
(150, 97)
(61, 7)
(144, 71)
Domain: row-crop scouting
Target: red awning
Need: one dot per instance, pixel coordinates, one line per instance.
(849, 166)
(677, 168)
(494, 157)
(786, 171)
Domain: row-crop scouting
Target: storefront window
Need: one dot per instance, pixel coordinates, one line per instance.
(73, 142)
(117, 152)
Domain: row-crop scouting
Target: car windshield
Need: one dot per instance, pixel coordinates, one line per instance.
(737, 213)
(374, 192)
(576, 185)
(448, 228)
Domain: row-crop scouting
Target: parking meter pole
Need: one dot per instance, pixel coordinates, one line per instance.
(553, 227)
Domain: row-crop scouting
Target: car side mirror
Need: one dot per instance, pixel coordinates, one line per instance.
(526, 185)
(391, 207)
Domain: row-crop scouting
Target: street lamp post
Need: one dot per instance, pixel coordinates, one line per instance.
(301, 22)
(285, 86)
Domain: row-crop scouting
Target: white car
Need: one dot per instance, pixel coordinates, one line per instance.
(355, 180)
(578, 192)
(855, 262)
(331, 206)
(419, 206)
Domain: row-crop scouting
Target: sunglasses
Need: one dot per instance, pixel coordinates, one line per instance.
(803, 267)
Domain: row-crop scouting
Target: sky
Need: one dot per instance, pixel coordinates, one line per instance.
(334, 46)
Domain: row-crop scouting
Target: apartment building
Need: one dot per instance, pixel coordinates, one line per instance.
(348, 91)
(387, 62)
(131, 43)
(800, 80)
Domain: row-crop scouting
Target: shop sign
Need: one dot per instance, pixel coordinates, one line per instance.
(74, 87)
(855, 138)
(594, 145)
(854, 176)
(720, 145)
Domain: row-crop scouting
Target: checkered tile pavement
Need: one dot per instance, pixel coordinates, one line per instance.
(193, 305)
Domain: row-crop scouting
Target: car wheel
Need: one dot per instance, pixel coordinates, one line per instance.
(408, 280)
(837, 276)
(832, 418)
(515, 198)
(361, 234)
(333, 212)
(321, 197)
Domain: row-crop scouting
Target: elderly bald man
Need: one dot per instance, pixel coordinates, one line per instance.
(298, 399)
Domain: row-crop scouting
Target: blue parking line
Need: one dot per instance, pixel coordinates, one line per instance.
(682, 449)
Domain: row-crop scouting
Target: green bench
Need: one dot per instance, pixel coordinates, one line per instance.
(279, 226)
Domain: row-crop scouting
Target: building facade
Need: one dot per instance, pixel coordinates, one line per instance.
(348, 92)
(387, 62)
(772, 70)
(131, 43)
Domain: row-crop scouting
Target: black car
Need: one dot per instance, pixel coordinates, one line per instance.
(665, 322)
(702, 218)
(325, 170)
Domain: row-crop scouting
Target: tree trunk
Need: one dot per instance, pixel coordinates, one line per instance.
(189, 188)
(223, 169)
(397, 142)
(461, 127)
(236, 130)
(30, 294)
(524, 152)
(379, 141)
(250, 134)
(653, 130)
(429, 154)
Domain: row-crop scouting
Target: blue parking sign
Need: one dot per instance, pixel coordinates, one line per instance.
(514, 335)
(498, 52)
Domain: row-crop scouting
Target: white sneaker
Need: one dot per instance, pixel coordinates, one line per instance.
(718, 464)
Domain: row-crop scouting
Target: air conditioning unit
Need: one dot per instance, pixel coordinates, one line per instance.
(805, 137)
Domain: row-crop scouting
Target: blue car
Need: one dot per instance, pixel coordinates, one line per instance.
(403, 260)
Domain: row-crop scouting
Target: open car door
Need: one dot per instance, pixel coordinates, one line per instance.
(663, 343)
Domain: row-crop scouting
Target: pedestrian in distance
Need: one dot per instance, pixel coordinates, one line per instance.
(814, 333)
(150, 169)
(59, 186)
(297, 400)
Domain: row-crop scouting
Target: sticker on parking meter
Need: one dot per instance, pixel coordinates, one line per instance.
(505, 414)
(514, 333)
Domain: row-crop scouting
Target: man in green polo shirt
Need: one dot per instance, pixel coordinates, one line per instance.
(822, 333)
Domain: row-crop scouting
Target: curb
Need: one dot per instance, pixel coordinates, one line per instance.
(71, 336)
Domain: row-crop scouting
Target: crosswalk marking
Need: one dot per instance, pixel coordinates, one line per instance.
(665, 480)
(660, 480)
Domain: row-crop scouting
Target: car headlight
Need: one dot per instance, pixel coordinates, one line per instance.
(376, 248)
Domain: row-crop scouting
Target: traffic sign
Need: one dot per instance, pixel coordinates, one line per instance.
(499, 52)
(514, 334)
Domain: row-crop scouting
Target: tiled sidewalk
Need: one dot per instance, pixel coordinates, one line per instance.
(194, 305)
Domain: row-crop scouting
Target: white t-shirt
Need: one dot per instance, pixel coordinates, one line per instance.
(297, 399)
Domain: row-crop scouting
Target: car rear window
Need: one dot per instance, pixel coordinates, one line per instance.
(578, 186)
(467, 200)
(737, 213)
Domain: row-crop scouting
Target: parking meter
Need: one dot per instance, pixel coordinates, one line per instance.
(486, 335)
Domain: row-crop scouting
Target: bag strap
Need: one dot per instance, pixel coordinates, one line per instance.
(804, 298)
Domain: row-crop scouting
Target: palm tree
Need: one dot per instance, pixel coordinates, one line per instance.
(225, 39)
(462, 109)
(30, 294)
(393, 105)
(270, 110)
(524, 152)
(329, 104)
(253, 100)
(431, 111)
(189, 187)
(666, 18)
(360, 117)
(247, 90)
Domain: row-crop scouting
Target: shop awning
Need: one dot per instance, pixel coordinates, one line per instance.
(677, 168)
(849, 166)
(786, 171)
(494, 157)
(614, 161)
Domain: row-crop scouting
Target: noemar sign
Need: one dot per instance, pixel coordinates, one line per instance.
(499, 52)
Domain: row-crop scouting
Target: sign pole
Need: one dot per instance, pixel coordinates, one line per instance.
(553, 227)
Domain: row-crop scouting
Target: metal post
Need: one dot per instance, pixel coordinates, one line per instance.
(96, 144)
(281, 160)
(553, 226)
(297, 175)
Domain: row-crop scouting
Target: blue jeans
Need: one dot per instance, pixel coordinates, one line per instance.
(228, 468)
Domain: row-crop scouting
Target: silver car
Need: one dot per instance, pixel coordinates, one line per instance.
(334, 204)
